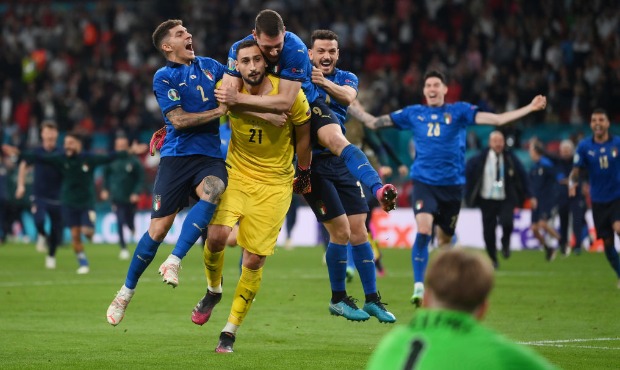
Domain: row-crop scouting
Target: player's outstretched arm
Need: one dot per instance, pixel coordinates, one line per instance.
(181, 119)
(358, 112)
(281, 102)
(538, 103)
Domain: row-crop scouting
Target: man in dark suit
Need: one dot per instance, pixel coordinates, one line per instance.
(496, 182)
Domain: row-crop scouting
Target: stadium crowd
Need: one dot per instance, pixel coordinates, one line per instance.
(89, 65)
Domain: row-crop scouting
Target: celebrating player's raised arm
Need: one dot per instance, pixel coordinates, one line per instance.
(538, 103)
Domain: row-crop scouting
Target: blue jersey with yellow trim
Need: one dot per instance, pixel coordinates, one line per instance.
(439, 136)
(294, 63)
(602, 161)
(191, 88)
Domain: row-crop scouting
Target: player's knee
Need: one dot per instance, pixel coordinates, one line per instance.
(212, 188)
(340, 236)
(332, 140)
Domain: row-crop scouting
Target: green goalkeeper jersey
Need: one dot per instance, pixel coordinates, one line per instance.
(441, 339)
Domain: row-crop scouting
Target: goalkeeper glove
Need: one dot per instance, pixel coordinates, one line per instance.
(301, 183)
(157, 140)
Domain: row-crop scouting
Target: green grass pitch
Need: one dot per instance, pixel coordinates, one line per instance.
(567, 310)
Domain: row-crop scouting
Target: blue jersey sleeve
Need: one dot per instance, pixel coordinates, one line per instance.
(580, 154)
(232, 57)
(467, 113)
(295, 64)
(165, 92)
(401, 117)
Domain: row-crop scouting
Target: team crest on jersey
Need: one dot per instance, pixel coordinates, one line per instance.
(419, 204)
(85, 167)
(208, 74)
(447, 118)
(614, 152)
(602, 150)
(128, 167)
(230, 64)
(156, 202)
(174, 95)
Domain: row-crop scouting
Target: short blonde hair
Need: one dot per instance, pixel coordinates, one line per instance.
(460, 279)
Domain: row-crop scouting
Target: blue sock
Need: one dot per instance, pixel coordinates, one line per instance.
(82, 260)
(365, 263)
(350, 261)
(360, 168)
(197, 219)
(613, 258)
(142, 257)
(336, 258)
(419, 256)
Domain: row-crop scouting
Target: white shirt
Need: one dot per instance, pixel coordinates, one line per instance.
(493, 177)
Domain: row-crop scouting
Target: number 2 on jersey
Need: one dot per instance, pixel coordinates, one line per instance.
(433, 129)
(253, 133)
(202, 93)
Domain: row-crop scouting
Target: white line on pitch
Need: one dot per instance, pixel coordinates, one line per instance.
(535, 342)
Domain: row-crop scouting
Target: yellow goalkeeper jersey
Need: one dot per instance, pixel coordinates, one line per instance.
(261, 151)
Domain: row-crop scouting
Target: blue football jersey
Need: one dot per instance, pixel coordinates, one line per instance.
(439, 136)
(191, 88)
(603, 164)
(294, 63)
(340, 78)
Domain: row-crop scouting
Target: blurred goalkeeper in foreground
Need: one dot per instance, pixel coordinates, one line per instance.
(446, 333)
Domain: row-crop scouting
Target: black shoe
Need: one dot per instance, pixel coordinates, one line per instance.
(202, 312)
(226, 342)
(506, 253)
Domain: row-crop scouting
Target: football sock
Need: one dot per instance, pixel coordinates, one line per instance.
(336, 258)
(357, 163)
(214, 263)
(82, 260)
(419, 256)
(350, 262)
(364, 261)
(197, 219)
(612, 257)
(247, 287)
(142, 257)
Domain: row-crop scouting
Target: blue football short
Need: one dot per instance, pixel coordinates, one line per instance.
(334, 190)
(177, 178)
(443, 202)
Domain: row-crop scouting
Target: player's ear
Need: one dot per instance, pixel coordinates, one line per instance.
(237, 66)
(481, 311)
(254, 34)
(310, 54)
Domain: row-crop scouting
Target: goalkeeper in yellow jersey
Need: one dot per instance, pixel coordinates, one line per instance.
(260, 187)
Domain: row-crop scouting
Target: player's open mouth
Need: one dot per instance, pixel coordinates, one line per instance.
(326, 63)
(189, 47)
